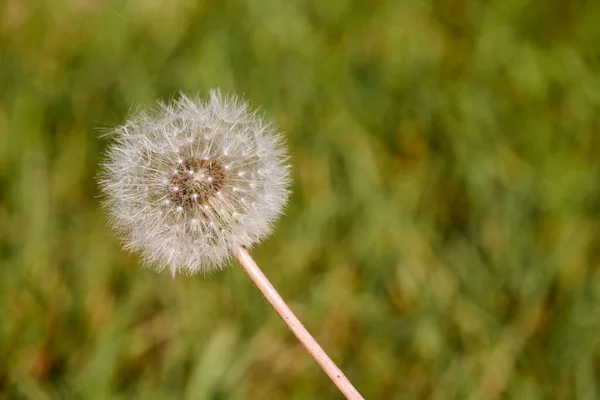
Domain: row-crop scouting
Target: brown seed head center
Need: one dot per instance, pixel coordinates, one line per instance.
(195, 181)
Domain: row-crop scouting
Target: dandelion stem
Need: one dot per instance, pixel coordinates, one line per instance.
(286, 314)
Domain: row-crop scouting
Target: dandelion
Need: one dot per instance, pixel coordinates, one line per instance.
(193, 184)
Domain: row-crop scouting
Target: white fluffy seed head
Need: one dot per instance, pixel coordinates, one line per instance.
(188, 183)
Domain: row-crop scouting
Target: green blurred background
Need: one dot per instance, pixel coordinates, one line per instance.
(442, 241)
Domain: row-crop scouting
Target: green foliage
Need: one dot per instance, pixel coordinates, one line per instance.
(443, 239)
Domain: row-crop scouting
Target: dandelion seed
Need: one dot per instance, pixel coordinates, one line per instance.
(190, 143)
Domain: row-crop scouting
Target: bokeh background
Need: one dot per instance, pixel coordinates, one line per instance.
(442, 241)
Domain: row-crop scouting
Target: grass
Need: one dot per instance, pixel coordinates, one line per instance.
(443, 239)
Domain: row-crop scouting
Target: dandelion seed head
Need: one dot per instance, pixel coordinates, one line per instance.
(174, 179)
